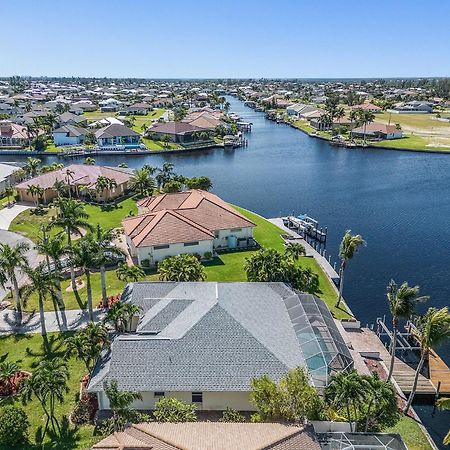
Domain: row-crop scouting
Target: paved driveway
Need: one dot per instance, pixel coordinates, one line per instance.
(7, 237)
(7, 215)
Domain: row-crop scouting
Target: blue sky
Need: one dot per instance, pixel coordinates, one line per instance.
(227, 38)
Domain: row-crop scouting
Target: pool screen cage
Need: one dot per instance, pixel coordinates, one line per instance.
(320, 340)
(361, 441)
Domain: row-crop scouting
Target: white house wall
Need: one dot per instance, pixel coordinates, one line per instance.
(63, 139)
(241, 233)
(212, 401)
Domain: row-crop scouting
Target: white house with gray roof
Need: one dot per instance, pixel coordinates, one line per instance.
(205, 342)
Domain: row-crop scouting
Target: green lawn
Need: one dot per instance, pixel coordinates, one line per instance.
(28, 223)
(230, 266)
(148, 119)
(412, 142)
(158, 145)
(27, 350)
(411, 433)
(96, 115)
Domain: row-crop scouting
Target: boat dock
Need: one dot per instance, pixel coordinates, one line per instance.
(310, 250)
(307, 227)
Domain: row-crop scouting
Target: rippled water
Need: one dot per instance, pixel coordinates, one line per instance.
(398, 201)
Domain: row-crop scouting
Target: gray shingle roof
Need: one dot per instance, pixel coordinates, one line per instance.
(208, 337)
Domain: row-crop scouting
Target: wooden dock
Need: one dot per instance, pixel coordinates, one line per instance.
(368, 344)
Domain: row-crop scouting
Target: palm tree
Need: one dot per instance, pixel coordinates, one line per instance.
(120, 315)
(44, 284)
(366, 117)
(142, 182)
(129, 273)
(72, 218)
(89, 161)
(165, 174)
(12, 258)
(106, 252)
(325, 121)
(349, 246)
(32, 166)
(353, 118)
(87, 343)
(60, 187)
(402, 302)
(294, 250)
(83, 255)
(55, 249)
(48, 384)
(434, 329)
(344, 391)
(444, 403)
(9, 192)
(7, 371)
(120, 402)
(36, 192)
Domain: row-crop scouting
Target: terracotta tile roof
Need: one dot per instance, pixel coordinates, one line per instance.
(164, 227)
(199, 206)
(211, 436)
(173, 128)
(82, 175)
(377, 128)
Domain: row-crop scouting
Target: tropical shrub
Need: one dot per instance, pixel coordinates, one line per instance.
(181, 268)
(172, 410)
(14, 426)
(232, 415)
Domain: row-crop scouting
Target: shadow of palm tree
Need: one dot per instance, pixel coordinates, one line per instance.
(52, 347)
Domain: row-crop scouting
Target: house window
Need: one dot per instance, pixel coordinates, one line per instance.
(236, 230)
(159, 394)
(190, 244)
(160, 247)
(197, 397)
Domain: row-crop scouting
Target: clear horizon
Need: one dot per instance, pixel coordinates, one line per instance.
(228, 40)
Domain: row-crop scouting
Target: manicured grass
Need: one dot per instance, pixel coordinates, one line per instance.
(29, 224)
(96, 115)
(412, 142)
(158, 145)
(28, 350)
(411, 433)
(230, 266)
(148, 119)
(305, 126)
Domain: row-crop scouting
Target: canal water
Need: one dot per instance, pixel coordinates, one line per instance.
(399, 202)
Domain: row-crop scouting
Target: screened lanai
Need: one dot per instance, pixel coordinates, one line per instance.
(323, 347)
(361, 441)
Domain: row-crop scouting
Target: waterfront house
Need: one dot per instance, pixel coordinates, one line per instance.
(367, 106)
(201, 223)
(204, 342)
(116, 134)
(179, 132)
(413, 107)
(68, 118)
(69, 135)
(377, 131)
(13, 134)
(81, 179)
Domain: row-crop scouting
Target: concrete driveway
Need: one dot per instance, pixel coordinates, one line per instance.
(7, 237)
(7, 215)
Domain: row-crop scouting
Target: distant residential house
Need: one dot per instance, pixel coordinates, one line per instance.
(115, 134)
(378, 131)
(413, 107)
(367, 106)
(179, 132)
(85, 105)
(205, 342)
(194, 222)
(69, 135)
(105, 121)
(78, 176)
(68, 118)
(320, 99)
(13, 134)
(8, 175)
(137, 109)
(110, 105)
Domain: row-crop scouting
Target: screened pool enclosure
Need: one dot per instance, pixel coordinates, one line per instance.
(320, 340)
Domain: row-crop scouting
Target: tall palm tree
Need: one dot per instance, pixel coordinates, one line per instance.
(366, 117)
(106, 252)
(54, 248)
(83, 255)
(12, 258)
(349, 246)
(353, 116)
(165, 174)
(44, 284)
(72, 218)
(60, 187)
(294, 250)
(434, 328)
(36, 192)
(402, 302)
(48, 384)
(32, 166)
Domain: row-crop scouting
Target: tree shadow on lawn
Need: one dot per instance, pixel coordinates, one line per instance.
(66, 439)
(52, 347)
(216, 261)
